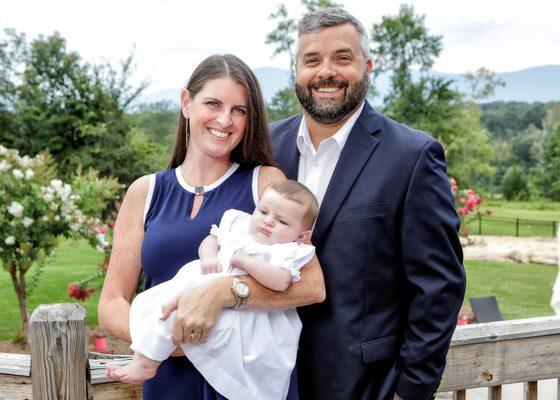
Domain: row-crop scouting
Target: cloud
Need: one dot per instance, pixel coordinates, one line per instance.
(468, 32)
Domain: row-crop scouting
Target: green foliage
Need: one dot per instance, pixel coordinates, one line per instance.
(402, 42)
(51, 99)
(482, 83)
(38, 209)
(284, 103)
(514, 184)
(549, 176)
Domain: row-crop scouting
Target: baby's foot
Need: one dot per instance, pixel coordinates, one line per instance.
(135, 372)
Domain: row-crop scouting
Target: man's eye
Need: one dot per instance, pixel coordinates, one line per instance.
(344, 59)
(311, 63)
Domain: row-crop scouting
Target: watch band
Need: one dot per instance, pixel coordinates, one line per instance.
(240, 300)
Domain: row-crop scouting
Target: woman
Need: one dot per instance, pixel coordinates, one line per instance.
(222, 160)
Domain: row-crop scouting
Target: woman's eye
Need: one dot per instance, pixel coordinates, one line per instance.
(213, 103)
(240, 110)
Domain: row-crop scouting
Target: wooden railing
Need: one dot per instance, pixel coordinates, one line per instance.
(481, 355)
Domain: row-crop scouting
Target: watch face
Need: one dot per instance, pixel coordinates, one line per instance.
(242, 289)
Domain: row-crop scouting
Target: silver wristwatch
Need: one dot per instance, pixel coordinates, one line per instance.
(241, 291)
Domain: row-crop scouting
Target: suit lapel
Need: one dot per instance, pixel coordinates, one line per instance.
(356, 152)
(287, 155)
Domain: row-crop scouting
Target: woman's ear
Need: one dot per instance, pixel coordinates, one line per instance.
(185, 103)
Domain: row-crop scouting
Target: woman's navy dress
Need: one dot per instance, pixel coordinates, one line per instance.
(171, 240)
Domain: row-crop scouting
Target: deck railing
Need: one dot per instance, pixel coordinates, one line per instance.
(481, 355)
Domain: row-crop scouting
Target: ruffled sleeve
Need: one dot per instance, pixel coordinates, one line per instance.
(233, 223)
(293, 257)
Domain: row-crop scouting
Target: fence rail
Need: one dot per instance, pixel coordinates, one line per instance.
(500, 226)
(481, 355)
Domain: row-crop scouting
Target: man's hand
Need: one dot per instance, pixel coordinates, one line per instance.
(209, 265)
(197, 311)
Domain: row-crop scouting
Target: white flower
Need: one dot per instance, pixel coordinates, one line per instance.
(26, 221)
(4, 165)
(15, 209)
(64, 192)
(54, 206)
(56, 218)
(25, 161)
(10, 240)
(17, 173)
(3, 150)
(45, 218)
(48, 197)
(56, 184)
(29, 174)
(75, 227)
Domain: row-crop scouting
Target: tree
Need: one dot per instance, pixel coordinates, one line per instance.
(482, 83)
(283, 104)
(51, 99)
(514, 184)
(548, 176)
(38, 208)
(401, 43)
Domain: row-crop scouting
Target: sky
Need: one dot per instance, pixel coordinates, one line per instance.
(170, 37)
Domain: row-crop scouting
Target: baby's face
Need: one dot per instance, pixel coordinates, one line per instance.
(277, 219)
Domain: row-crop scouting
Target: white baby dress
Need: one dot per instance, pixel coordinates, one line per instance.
(249, 354)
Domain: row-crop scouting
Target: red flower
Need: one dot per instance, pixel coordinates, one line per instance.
(78, 293)
(464, 211)
(100, 229)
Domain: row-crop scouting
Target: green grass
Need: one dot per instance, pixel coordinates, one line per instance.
(522, 290)
(72, 261)
(538, 210)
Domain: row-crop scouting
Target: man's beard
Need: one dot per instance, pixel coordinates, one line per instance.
(332, 111)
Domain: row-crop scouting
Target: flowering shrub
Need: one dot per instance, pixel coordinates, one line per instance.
(39, 208)
(467, 202)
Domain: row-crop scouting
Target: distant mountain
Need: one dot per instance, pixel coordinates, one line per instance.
(540, 83)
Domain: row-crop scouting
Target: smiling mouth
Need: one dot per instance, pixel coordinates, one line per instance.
(218, 134)
(327, 89)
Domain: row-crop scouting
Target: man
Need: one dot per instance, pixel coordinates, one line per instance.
(386, 235)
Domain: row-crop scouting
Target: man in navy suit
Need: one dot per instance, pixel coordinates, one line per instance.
(386, 235)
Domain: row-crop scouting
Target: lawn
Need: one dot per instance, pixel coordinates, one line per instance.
(537, 210)
(72, 261)
(522, 290)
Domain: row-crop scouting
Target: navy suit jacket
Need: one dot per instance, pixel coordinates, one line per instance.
(387, 241)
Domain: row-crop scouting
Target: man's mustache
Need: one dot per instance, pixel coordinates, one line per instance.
(331, 81)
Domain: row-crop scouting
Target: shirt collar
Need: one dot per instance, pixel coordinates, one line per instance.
(304, 142)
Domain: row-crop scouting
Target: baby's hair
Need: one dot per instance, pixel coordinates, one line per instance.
(295, 191)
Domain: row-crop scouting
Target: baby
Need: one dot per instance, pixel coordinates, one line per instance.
(248, 354)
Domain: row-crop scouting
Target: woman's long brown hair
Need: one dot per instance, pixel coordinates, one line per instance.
(255, 148)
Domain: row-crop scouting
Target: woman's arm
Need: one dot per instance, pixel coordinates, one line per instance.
(198, 309)
(124, 266)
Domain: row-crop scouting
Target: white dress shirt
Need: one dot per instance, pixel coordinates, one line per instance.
(316, 166)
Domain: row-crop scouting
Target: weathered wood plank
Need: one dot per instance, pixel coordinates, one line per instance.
(15, 364)
(116, 391)
(486, 364)
(495, 393)
(14, 387)
(97, 369)
(530, 391)
(57, 334)
(460, 395)
(506, 330)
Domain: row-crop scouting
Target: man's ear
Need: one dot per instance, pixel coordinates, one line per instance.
(304, 236)
(369, 66)
(185, 103)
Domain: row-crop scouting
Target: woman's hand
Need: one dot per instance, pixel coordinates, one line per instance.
(198, 310)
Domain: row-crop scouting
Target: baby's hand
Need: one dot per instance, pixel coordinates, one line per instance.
(238, 259)
(210, 265)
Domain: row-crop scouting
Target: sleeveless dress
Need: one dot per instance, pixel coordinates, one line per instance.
(171, 240)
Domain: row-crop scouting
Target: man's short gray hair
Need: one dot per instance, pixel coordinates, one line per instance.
(321, 19)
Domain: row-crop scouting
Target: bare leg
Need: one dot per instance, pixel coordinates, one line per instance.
(139, 370)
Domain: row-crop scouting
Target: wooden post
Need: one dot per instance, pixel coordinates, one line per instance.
(516, 227)
(460, 395)
(531, 390)
(495, 393)
(479, 225)
(57, 334)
